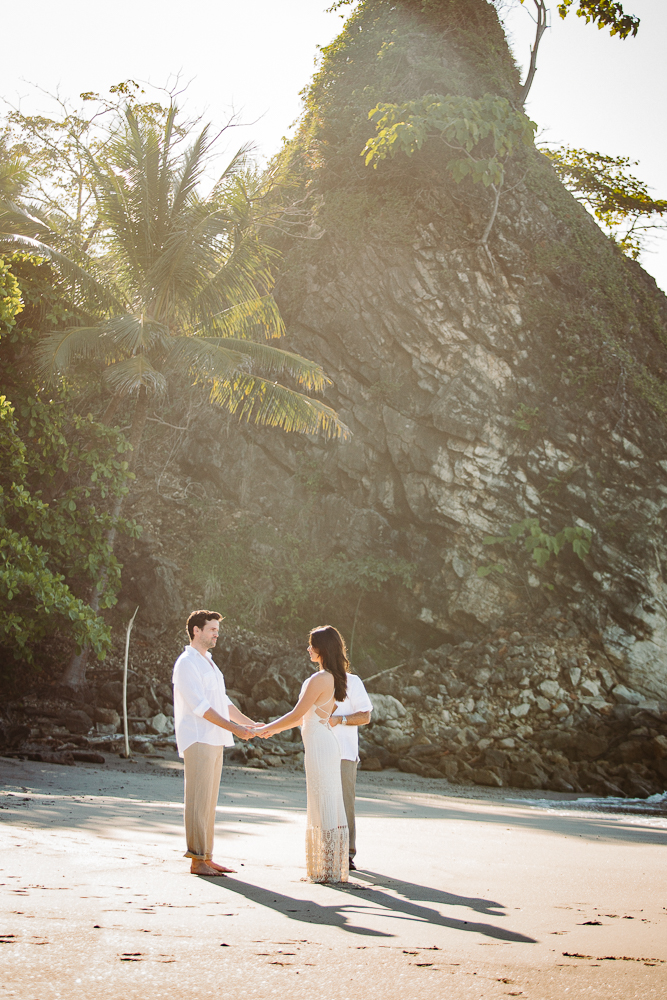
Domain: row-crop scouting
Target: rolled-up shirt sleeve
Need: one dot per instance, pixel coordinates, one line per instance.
(360, 700)
(187, 681)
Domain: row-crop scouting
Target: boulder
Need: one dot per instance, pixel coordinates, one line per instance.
(637, 788)
(105, 730)
(111, 694)
(484, 776)
(371, 764)
(550, 688)
(386, 708)
(271, 685)
(108, 717)
(412, 766)
(235, 697)
(160, 725)
(520, 779)
(77, 721)
(625, 696)
(448, 766)
(139, 708)
(495, 758)
(558, 784)
(632, 751)
(14, 735)
(590, 745)
(602, 786)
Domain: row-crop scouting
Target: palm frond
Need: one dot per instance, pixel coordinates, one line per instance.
(128, 376)
(236, 165)
(76, 277)
(59, 351)
(136, 334)
(272, 405)
(272, 360)
(17, 220)
(237, 277)
(190, 173)
(204, 359)
(248, 318)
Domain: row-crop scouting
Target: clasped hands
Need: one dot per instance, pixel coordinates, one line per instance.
(249, 732)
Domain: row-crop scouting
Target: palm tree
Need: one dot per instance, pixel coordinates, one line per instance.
(174, 282)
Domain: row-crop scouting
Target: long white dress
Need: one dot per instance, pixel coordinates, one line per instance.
(327, 845)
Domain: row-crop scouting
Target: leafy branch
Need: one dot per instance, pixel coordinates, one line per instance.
(484, 132)
(619, 201)
(541, 545)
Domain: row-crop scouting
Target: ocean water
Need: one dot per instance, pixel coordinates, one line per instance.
(654, 805)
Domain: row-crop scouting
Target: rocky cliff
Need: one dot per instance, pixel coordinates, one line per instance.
(521, 387)
(481, 390)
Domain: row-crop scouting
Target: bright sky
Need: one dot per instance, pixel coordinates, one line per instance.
(255, 56)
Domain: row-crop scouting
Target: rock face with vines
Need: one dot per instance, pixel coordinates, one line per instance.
(524, 387)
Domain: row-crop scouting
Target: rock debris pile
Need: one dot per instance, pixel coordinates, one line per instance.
(532, 706)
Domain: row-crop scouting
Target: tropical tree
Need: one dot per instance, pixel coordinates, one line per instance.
(619, 201)
(174, 282)
(60, 471)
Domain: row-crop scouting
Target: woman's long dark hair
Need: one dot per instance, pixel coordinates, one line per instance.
(330, 645)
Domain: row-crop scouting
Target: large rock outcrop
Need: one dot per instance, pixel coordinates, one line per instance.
(480, 390)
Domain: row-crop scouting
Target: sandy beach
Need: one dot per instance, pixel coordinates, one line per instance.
(460, 893)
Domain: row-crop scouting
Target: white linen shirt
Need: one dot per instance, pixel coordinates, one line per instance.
(357, 700)
(198, 686)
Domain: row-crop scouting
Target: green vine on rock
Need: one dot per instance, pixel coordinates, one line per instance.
(481, 132)
(541, 545)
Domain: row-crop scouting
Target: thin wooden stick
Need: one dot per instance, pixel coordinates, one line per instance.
(127, 655)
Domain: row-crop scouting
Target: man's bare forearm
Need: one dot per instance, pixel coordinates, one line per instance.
(232, 727)
(358, 719)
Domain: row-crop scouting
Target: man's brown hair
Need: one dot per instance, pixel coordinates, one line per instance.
(199, 618)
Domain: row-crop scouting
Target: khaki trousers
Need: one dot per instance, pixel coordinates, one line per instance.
(348, 776)
(203, 769)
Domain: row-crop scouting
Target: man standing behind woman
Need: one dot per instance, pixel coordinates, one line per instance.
(327, 838)
(355, 711)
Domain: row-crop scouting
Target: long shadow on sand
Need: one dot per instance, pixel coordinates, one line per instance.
(376, 904)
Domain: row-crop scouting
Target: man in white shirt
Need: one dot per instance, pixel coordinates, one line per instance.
(355, 711)
(205, 720)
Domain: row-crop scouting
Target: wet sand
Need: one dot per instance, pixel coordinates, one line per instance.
(460, 895)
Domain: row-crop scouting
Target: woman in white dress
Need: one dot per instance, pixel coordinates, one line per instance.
(326, 825)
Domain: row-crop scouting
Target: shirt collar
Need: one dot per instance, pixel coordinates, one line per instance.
(192, 651)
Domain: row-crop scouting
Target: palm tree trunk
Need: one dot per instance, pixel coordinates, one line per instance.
(74, 676)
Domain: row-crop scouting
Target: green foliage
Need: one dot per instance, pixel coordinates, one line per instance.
(172, 281)
(525, 416)
(30, 591)
(604, 13)
(11, 303)
(602, 315)
(59, 473)
(488, 127)
(259, 576)
(617, 199)
(542, 546)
